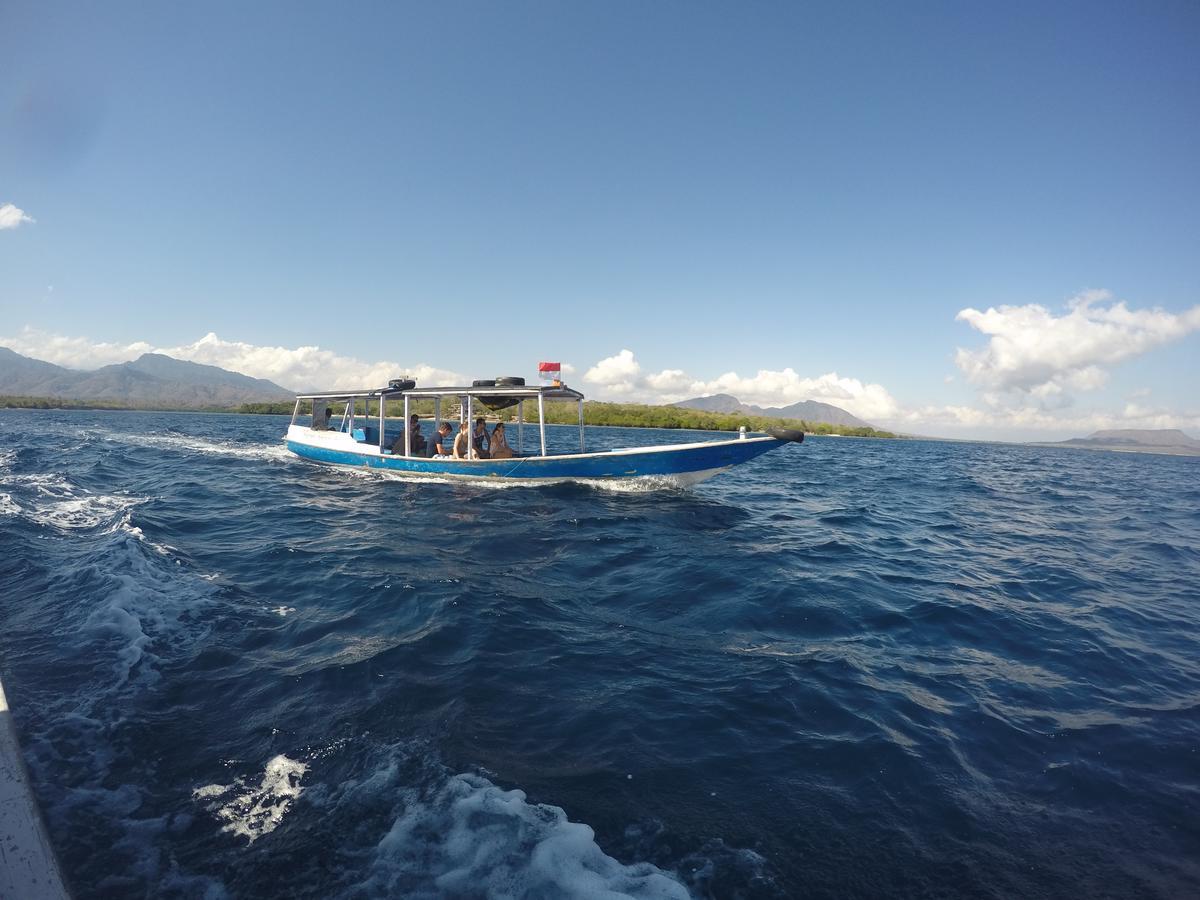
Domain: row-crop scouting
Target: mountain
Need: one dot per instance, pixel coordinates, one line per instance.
(22, 375)
(815, 411)
(1137, 440)
(718, 403)
(150, 380)
(808, 410)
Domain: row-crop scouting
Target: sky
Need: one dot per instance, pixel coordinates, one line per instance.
(954, 219)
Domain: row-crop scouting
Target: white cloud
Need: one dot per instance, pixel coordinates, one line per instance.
(72, 352)
(621, 377)
(1032, 352)
(1039, 414)
(11, 217)
(1034, 422)
(304, 368)
(620, 373)
(298, 368)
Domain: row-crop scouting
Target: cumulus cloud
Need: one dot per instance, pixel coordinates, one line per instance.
(11, 217)
(72, 352)
(1035, 353)
(620, 374)
(621, 377)
(298, 368)
(304, 368)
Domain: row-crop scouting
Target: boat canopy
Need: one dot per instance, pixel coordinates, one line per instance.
(515, 392)
(493, 396)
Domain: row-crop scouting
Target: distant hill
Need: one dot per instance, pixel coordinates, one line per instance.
(150, 380)
(1137, 440)
(808, 410)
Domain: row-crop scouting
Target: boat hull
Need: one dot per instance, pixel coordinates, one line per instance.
(679, 463)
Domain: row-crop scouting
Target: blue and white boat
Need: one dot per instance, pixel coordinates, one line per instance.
(364, 437)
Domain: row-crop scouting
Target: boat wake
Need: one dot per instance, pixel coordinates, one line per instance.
(646, 484)
(194, 444)
(466, 835)
(53, 500)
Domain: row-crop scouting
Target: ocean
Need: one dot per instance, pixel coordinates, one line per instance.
(850, 668)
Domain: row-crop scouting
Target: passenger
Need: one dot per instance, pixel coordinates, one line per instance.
(462, 443)
(439, 447)
(499, 443)
(480, 439)
(416, 443)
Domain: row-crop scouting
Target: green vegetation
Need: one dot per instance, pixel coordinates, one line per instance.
(9, 401)
(635, 415)
(630, 415)
(267, 409)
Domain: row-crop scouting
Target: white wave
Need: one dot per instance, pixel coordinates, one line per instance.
(48, 498)
(644, 484)
(147, 607)
(8, 506)
(252, 811)
(469, 837)
(7, 458)
(162, 549)
(192, 444)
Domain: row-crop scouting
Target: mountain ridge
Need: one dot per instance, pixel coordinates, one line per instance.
(1136, 440)
(808, 410)
(151, 379)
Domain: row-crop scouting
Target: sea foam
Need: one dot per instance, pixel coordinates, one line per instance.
(250, 810)
(468, 837)
(193, 444)
(53, 500)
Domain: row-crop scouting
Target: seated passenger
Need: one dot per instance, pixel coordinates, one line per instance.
(480, 439)
(416, 443)
(439, 447)
(322, 423)
(462, 443)
(499, 443)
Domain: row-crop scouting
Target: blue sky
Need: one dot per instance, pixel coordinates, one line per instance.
(742, 188)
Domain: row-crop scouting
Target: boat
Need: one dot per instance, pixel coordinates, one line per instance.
(364, 437)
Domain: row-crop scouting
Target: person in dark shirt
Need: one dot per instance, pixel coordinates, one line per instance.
(322, 423)
(440, 445)
(480, 439)
(418, 440)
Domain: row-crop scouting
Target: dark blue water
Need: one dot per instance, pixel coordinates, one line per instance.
(847, 669)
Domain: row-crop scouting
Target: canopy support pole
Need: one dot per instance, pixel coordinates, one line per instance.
(469, 408)
(581, 450)
(520, 424)
(542, 420)
(407, 430)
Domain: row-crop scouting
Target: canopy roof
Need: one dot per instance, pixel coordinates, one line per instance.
(515, 392)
